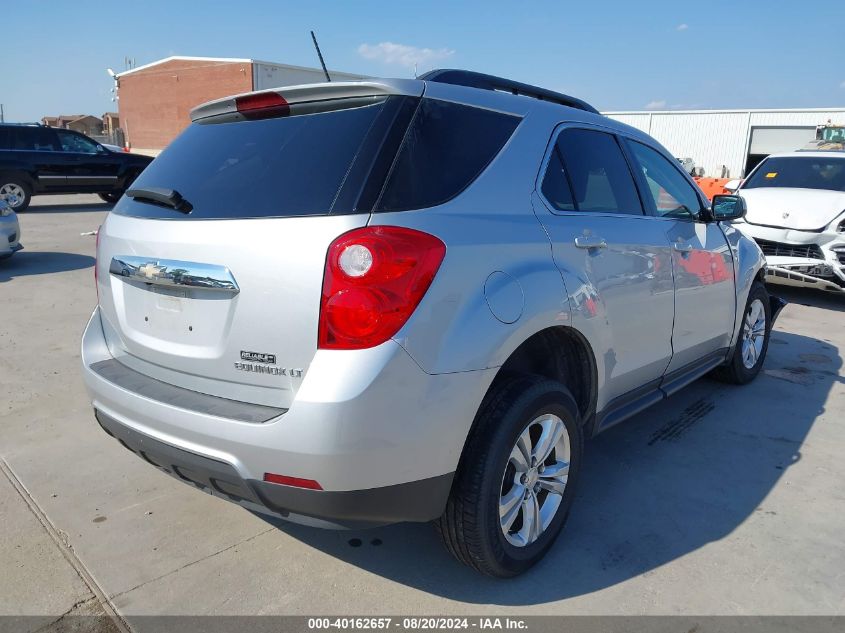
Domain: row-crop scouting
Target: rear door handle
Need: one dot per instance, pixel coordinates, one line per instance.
(682, 247)
(590, 242)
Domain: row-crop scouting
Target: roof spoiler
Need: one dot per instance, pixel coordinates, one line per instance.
(500, 84)
(309, 93)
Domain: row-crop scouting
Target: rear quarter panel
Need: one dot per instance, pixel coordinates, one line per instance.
(489, 228)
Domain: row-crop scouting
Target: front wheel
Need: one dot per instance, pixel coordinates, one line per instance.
(753, 342)
(516, 480)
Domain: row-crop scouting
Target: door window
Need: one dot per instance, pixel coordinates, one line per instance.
(76, 143)
(596, 171)
(671, 193)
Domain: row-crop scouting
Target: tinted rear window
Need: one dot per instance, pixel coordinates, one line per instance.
(446, 147)
(284, 166)
(802, 172)
(399, 153)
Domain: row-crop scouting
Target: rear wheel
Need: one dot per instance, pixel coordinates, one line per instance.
(112, 197)
(16, 192)
(753, 342)
(517, 477)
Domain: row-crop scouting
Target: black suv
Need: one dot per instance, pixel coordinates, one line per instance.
(35, 159)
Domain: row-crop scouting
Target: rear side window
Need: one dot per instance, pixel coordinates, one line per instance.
(446, 147)
(275, 167)
(598, 172)
(39, 139)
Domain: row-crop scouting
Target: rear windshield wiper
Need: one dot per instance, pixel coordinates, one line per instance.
(164, 197)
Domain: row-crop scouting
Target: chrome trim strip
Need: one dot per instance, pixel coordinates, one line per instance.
(175, 273)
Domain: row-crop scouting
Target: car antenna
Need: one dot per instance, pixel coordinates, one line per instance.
(320, 55)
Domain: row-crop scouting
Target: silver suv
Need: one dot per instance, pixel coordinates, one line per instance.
(354, 304)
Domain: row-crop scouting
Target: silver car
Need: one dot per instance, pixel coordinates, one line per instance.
(10, 231)
(354, 304)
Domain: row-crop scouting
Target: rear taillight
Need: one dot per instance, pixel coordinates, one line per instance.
(262, 105)
(375, 277)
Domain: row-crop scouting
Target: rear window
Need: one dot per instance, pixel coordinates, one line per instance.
(801, 172)
(283, 166)
(398, 153)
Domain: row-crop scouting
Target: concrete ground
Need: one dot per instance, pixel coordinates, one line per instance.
(721, 500)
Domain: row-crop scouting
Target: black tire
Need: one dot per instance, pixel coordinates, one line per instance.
(470, 527)
(15, 180)
(111, 197)
(735, 371)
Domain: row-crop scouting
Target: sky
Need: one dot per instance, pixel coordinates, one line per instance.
(615, 54)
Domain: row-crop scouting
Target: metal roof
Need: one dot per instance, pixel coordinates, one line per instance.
(226, 60)
(728, 111)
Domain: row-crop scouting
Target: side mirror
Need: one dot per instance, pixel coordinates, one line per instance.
(732, 185)
(101, 149)
(728, 208)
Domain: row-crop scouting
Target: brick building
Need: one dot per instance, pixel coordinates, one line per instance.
(156, 99)
(85, 123)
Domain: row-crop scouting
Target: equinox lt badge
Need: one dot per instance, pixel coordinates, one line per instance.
(261, 363)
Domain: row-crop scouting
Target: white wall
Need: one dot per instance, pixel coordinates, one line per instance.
(267, 75)
(713, 138)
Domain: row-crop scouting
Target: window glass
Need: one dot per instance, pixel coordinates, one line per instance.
(5, 138)
(39, 139)
(75, 143)
(598, 171)
(673, 196)
(274, 167)
(446, 147)
(555, 185)
(801, 172)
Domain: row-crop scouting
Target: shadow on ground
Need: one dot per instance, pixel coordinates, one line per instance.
(37, 208)
(26, 263)
(681, 475)
(824, 299)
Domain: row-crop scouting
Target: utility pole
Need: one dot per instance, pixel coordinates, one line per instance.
(320, 55)
(2, 118)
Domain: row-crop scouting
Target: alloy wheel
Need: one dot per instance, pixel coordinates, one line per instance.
(13, 194)
(534, 480)
(753, 333)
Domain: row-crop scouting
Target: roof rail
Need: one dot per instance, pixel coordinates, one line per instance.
(500, 84)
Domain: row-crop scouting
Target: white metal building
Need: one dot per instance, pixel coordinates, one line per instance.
(729, 143)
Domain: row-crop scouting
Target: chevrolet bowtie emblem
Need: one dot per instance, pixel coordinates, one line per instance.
(150, 270)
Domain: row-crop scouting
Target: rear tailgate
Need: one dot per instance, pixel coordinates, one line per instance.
(221, 294)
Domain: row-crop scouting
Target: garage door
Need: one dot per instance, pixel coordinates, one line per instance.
(770, 140)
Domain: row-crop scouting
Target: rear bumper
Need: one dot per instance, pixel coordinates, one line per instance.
(380, 436)
(412, 501)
